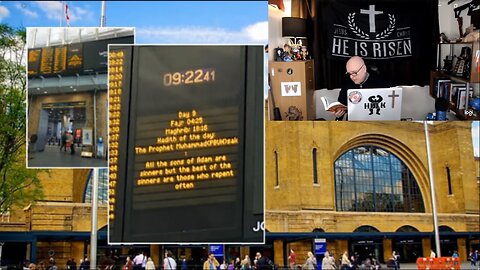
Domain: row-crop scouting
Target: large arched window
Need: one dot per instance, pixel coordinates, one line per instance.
(371, 179)
(102, 187)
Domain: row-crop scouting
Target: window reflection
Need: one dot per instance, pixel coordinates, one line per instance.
(102, 187)
(371, 179)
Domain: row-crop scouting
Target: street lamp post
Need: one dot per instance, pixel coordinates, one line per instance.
(432, 191)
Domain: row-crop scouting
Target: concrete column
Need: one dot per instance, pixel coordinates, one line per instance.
(155, 255)
(342, 246)
(462, 249)
(76, 251)
(278, 253)
(426, 247)
(387, 249)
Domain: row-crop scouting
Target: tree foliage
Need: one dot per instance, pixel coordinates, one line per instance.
(18, 185)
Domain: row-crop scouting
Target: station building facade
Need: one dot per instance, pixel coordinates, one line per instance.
(364, 188)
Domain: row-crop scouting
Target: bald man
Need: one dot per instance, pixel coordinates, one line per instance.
(359, 78)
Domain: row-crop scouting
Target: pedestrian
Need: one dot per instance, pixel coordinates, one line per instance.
(149, 265)
(455, 254)
(396, 259)
(432, 254)
(292, 258)
(246, 263)
(72, 150)
(231, 265)
(345, 264)
(211, 263)
(183, 261)
(128, 264)
(475, 257)
(328, 262)
(169, 263)
(64, 142)
(310, 262)
(139, 261)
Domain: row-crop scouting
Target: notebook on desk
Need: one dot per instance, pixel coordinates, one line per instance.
(374, 104)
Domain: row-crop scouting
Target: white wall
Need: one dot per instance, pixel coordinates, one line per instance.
(446, 18)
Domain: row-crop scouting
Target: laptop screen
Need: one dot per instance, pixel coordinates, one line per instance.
(374, 104)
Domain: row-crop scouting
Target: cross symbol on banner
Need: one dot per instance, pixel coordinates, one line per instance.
(371, 16)
(393, 96)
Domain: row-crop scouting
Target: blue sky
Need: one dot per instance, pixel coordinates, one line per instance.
(216, 22)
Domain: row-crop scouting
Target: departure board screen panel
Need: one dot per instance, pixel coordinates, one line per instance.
(75, 58)
(46, 60)
(34, 61)
(185, 152)
(96, 53)
(60, 59)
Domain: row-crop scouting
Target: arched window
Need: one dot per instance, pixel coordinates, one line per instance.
(407, 228)
(366, 229)
(371, 179)
(102, 187)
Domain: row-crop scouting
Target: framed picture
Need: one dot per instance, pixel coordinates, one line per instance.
(87, 134)
(291, 89)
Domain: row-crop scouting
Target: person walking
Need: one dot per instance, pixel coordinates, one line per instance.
(211, 263)
(345, 264)
(311, 262)
(292, 259)
(149, 265)
(169, 263)
(328, 262)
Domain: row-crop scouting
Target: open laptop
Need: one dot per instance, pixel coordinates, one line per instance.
(374, 104)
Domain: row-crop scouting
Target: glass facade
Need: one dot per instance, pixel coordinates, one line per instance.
(371, 179)
(102, 187)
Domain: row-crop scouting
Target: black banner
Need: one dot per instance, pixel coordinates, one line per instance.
(398, 37)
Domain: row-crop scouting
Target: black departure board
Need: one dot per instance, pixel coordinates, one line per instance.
(186, 144)
(34, 61)
(96, 53)
(60, 59)
(76, 58)
(46, 60)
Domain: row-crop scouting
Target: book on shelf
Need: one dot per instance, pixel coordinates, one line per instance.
(440, 86)
(452, 98)
(332, 105)
(461, 95)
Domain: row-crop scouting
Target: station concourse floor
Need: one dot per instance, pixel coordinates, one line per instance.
(52, 157)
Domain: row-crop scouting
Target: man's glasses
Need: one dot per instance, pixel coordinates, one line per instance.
(354, 73)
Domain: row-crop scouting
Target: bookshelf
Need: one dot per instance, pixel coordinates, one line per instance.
(463, 73)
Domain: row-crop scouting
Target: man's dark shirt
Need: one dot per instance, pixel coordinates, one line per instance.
(373, 81)
(262, 264)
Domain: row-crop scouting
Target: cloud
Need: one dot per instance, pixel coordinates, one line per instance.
(4, 12)
(54, 10)
(252, 34)
(23, 8)
(258, 31)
